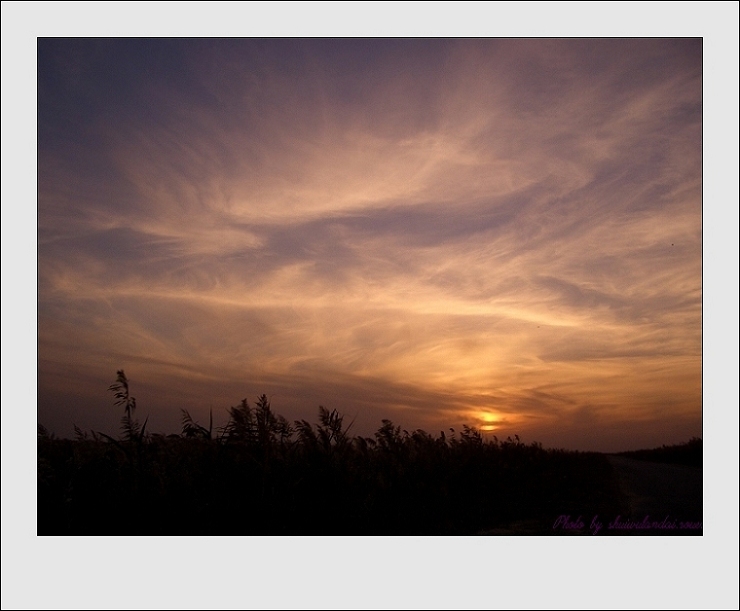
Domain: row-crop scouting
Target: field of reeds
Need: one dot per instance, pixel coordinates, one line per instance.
(262, 475)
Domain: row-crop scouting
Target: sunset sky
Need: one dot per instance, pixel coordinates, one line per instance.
(505, 233)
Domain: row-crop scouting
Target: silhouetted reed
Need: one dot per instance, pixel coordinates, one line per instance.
(260, 475)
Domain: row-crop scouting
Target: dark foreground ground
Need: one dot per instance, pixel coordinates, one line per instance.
(657, 492)
(666, 496)
(398, 485)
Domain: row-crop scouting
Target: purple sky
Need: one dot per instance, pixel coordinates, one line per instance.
(501, 232)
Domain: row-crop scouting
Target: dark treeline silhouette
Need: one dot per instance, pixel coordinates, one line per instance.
(262, 475)
(689, 454)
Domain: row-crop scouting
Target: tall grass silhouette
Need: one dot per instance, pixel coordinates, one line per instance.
(130, 427)
(261, 475)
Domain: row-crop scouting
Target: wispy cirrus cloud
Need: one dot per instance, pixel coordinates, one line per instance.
(501, 225)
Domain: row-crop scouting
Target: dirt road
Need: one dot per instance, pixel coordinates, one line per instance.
(661, 492)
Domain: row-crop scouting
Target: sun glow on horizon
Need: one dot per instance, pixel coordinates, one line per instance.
(488, 421)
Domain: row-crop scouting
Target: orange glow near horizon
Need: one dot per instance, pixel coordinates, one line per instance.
(489, 421)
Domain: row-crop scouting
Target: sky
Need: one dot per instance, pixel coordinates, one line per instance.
(504, 233)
